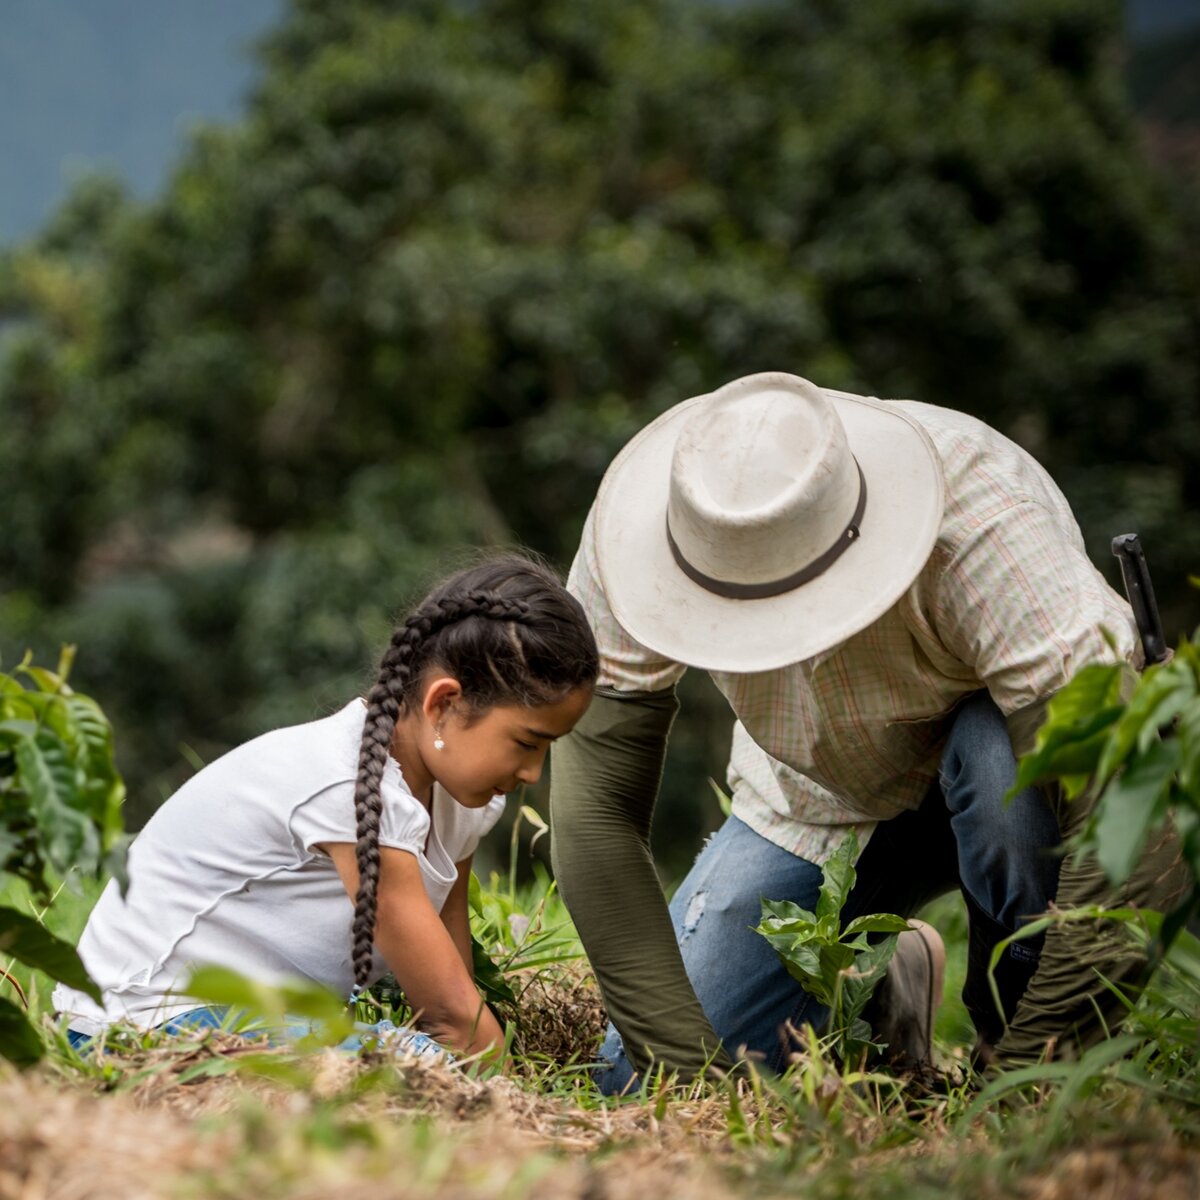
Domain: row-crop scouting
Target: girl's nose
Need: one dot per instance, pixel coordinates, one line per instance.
(531, 772)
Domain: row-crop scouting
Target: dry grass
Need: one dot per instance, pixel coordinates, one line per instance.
(421, 1130)
(210, 1116)
(562, 1017)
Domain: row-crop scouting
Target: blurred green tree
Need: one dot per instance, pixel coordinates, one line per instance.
(456, 253)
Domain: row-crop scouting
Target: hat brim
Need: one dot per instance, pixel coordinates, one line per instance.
(659, 606)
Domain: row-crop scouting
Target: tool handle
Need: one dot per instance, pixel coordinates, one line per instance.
(1128, 550)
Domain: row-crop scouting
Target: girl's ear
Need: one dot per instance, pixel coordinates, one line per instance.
(442, 694)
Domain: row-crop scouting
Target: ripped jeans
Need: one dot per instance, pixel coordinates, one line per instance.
(1002, 857)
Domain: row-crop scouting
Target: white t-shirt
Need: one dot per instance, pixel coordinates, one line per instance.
(227, 872)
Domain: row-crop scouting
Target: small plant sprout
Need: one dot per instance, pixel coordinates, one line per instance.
(839, 967)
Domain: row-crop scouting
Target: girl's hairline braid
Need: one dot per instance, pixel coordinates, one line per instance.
(388, 698)
(383, 710)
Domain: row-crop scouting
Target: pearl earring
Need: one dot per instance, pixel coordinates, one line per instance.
(439, 743)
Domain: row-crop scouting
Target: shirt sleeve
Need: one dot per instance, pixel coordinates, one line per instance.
(1018, 600)
(328, 816)
(625, 664)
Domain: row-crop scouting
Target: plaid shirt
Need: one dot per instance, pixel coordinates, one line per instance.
(1008, 600)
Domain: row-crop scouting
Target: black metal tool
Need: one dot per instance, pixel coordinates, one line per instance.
(1128, 549)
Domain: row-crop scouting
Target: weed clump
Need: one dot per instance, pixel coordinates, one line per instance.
(562, 1018)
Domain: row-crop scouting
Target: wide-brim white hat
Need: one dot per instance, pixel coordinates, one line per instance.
(765, 523)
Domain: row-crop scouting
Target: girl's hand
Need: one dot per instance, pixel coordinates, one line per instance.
(422, 954)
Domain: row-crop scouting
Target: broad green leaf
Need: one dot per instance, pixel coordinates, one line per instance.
(10, 844)
(1075, 715)
(82, 726)
(1134, 802)
(22, 703)
(812, 978)
(838, 879)
(51, 781)
(489, 977)
(1095, 687)
(786, 910)
(836, 957)
(793, 933)
(1187, 732)
(876, 923)
(47, 774)
(1073, 749)
(30, 942)
(1158, 698)
(19, 1041)
(803, 963)
(46, 681)
(13, 729)
(1164, 714)
(868, 969)
(276, 1006)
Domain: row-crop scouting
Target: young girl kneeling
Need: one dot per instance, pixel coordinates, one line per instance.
(252, 863)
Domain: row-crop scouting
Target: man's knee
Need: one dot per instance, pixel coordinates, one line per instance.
(1008, 849)
(978, 764)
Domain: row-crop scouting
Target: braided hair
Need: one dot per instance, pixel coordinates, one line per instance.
(510, 633)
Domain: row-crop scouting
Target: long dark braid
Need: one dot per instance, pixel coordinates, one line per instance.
(510, 633)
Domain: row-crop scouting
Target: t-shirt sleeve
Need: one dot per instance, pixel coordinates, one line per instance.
(328, 816)
(1018, 600)
(461, 828)
(625, 664)
(404, 821)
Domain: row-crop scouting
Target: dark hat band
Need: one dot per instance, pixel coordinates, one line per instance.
(760, 591)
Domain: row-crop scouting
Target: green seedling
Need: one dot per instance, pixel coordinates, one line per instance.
(838, 966)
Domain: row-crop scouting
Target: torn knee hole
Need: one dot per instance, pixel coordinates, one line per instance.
(695, 911)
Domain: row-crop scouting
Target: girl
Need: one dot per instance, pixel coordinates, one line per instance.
(254, 862)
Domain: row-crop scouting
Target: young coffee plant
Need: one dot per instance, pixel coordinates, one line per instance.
(60, 819)
(838, 966)
(1139, 757)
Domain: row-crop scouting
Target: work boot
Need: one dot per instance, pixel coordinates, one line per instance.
(905, 1003)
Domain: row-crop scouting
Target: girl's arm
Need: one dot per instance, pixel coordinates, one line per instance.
(456, 914)
(423, 955)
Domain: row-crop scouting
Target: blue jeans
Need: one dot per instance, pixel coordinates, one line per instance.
(1003, 857)
(220, 1017)
(196, 1018)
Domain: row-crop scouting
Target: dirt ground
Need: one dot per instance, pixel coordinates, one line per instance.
(433, 1132)
(211, 1116)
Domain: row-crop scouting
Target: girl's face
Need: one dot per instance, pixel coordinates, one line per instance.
(498, 750)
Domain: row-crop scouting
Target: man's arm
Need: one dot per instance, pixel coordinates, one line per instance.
(603, 785)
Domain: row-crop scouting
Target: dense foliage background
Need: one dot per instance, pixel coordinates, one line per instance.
(456, 253)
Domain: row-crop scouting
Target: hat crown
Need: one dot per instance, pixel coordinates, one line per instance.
(763, 481)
